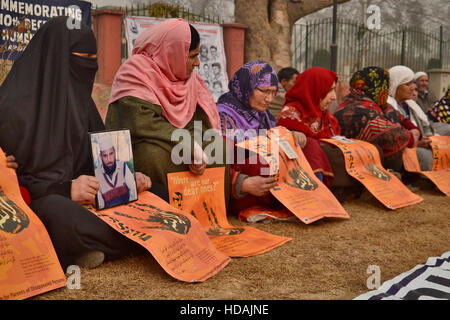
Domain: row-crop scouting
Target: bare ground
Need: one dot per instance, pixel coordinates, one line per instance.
(325, 260)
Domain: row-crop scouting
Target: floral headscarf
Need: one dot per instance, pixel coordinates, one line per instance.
(372, 82)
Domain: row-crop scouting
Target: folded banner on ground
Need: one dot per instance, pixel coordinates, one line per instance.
(28, 263)
(204, 197)
(430, 281)
(362, 162)
(441, 178)
(177, 241)
(298, 189)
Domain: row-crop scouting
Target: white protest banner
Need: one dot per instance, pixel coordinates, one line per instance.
(213, 68)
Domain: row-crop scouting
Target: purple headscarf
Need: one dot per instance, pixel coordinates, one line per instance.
(233, 106)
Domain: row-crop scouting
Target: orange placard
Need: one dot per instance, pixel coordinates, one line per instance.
(177, 241)
(204, 197)
(298, 189)
(363, 163)
(441, 178)
(28, 263)
(441, 152)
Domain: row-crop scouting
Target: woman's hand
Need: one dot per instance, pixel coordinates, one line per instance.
(416, 134)
(424, 142)
(83, 190)
(11, 162)
(143, 182)
(299, 138)
(258, 186)
(200, 160)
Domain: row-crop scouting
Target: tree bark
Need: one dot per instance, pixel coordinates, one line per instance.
(270, 23)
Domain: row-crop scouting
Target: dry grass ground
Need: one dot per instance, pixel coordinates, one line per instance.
(325, 260)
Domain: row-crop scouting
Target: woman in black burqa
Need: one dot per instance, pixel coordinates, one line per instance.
(47, 111)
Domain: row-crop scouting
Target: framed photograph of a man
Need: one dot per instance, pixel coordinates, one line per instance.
(114, 167)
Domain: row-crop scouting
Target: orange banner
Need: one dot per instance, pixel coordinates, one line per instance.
(177, 241)
(204, 197)
(298, 189)
(28, 263)
(363, 163)
(441, 151)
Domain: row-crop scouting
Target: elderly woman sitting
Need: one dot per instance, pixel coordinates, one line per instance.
(306, 110)
(400, 98)
(366, 115)
(242, 110)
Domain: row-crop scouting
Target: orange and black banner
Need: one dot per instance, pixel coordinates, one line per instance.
(362, 162)
(28, 263)
(440, 174)
(204, 198)
(298, 189)
(176, 240)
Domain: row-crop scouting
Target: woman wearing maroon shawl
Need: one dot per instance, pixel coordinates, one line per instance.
(306, 111)
(366, 115)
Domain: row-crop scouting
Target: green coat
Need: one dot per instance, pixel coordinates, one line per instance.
(151, 137)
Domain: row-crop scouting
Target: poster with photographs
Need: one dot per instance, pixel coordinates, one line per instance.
(212, 68)
(114, 167)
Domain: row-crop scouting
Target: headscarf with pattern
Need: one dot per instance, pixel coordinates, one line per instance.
(440, 112)
(366, 115)
(233, 106)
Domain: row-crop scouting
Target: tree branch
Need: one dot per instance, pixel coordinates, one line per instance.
(299, 10)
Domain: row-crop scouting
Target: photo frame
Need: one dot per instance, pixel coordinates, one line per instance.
(113, 164)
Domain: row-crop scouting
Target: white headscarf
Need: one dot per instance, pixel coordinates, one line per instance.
(419, 74)
(399, 75)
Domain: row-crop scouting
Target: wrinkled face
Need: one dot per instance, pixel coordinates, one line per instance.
(423, 83)
(262, 97)
(287, 84)
(404, 91)
(108, 157)
(330, 97)
(192, 61)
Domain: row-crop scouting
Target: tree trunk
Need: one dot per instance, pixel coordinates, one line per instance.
(270, 23)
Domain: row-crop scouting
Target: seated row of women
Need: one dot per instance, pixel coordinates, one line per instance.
(48, 111)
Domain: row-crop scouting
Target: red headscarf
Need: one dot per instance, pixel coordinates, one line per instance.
(156, 72)
(309, 89)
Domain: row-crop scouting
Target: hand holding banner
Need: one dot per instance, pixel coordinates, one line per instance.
(363, 163)
(203, 197)
(298, 189)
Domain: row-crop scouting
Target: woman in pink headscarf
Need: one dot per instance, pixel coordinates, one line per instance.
(156, 91)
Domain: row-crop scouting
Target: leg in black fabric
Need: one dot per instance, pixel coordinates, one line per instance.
(76, 231)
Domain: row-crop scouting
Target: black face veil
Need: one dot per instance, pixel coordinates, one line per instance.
(46, 109)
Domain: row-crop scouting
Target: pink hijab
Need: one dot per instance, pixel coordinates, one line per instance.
(156, 72)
